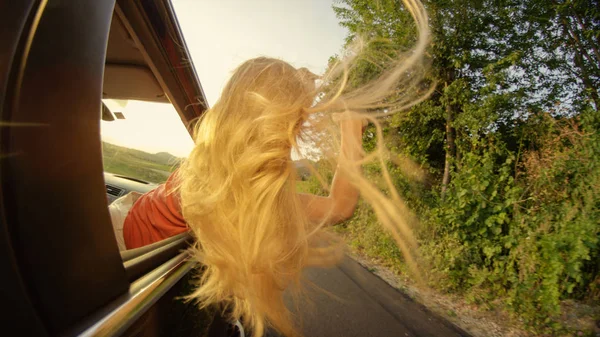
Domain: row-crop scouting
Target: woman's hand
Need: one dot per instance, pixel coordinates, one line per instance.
(343, 196)
(351, 143)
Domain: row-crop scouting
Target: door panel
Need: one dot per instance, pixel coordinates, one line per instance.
(53, 191)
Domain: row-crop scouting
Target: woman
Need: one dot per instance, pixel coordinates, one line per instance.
(157, 214)
(236, 191)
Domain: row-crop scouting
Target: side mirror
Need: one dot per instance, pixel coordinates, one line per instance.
(107, 115)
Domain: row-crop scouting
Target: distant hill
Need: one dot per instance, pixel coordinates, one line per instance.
(156, 167)
(163, 158)
(166, 158)
(152, 167)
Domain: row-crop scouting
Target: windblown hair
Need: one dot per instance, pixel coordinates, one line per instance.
(238, 190)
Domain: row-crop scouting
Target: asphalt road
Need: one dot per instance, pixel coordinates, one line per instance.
(354, 302)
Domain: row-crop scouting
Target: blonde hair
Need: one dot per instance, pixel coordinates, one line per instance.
(238, 190)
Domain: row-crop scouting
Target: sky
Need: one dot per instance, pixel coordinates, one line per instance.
(220, 35)
(148, 126)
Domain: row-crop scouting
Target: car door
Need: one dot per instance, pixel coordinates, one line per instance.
(51, 170)
(62, 273)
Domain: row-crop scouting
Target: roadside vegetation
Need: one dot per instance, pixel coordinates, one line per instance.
(502, 163)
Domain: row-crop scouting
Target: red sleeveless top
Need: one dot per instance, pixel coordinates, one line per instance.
(155, 216)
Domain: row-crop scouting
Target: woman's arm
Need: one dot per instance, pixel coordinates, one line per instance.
(343, 197)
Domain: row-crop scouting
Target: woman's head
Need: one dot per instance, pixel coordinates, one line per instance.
(268, 94)
(272, 79)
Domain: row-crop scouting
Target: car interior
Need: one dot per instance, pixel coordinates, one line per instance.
(63, 273)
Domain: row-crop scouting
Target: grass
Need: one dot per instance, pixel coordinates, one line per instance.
(154, 168)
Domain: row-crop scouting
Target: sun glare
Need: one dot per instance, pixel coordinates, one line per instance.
(148, 126)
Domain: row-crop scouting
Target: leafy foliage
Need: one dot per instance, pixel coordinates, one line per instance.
(509, 144)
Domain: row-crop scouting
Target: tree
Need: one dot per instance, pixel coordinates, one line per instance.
(566, 34)
(511, 138)
(464, 44)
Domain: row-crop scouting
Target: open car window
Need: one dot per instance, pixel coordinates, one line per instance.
(144, 141)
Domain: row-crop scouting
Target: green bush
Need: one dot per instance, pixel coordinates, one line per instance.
(473, 220)
(517, 225)
(528, 232)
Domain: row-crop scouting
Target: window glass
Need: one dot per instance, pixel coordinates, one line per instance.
(146, 141)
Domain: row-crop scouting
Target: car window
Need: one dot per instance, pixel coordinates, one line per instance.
(145, 142)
